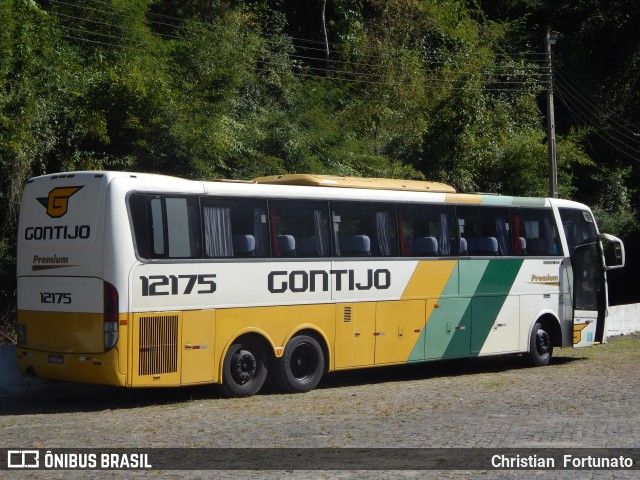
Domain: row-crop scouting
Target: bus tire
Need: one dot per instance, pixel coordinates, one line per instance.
(540, 347)
(302, 365)
(244, 369)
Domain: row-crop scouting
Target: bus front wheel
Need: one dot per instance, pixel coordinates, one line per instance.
(302, 365)
(540, 346)
(244, 369)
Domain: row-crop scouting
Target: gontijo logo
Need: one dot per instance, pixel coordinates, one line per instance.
(57, 202)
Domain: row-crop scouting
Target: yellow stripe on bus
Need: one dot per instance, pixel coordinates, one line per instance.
(429, 279)
(464, 198)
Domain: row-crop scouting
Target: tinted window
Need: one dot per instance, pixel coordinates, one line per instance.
(579, 227)
(165, 227)
(535, 232)
(183, 227)
(484, 231)
(235, 227)
(299, 228)
(427, 230)
(364, 229)
(157, 226)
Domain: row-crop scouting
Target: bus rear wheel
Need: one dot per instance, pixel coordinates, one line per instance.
(540, 347)
(244, 369)
(302, 365)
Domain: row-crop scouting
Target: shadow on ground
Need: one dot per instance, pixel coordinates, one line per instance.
(65, 397)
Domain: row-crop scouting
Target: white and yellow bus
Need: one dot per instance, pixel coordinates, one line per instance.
(148, 280)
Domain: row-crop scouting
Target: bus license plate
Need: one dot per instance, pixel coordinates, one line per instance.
(57, 359)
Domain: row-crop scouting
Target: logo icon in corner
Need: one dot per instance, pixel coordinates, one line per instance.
(57, 202)
(23, 458)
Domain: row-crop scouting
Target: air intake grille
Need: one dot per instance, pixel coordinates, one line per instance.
(158, 345)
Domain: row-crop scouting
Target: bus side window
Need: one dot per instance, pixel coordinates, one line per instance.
(299, 228)
(427, 230)
(364, 229)
(496, 225)
(470, 229)
(141, 218)
(165, 227)
(486, 230)
(536, 232)
(183, 227)
(157, 227)
(235, 227)
(147, 219)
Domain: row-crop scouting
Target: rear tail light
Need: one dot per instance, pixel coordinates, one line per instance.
(110, 316)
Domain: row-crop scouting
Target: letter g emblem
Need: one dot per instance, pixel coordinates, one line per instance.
(58, 201)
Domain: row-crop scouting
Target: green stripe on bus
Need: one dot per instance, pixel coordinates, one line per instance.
(447, 326)
(497, 200)
(433, 341)
(489, 298)
(461, 325)
(458, 328)
(529, 202)
(506, 201)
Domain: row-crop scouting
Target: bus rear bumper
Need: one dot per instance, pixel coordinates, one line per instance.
(101, 368)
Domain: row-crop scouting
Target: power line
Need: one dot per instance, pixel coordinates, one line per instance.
(122, 27)
(438, 58)
(393, 84)
(82, 30)
(497, 69)
(516, 70)
(522, 55)
(587, 117)
(593, 113)
(169, 17)
(578, 121)
(496, 79)
(86, 40)
(579, 89)
(118, 14)
(385, 76)
(600, 131)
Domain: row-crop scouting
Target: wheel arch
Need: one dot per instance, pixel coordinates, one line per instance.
(311, 331)
(255, 335)
(549, 321)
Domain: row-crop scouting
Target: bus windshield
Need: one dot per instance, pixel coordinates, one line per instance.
(579, 227)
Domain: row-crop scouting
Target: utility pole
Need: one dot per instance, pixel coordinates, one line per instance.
(326, 37)
(550, 39)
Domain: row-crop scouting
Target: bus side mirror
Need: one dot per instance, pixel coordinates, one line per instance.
(613, 250)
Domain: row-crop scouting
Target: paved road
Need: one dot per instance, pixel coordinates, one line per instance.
(585, 398)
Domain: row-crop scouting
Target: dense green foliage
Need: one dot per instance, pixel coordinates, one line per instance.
(450, 91)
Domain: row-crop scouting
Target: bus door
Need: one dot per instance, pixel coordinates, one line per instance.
(589, 295)
(590, 263)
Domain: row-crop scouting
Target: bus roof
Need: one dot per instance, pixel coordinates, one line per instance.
(296, 185)
(356, 182)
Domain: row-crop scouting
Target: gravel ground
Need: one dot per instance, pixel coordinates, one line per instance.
(585, 398)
